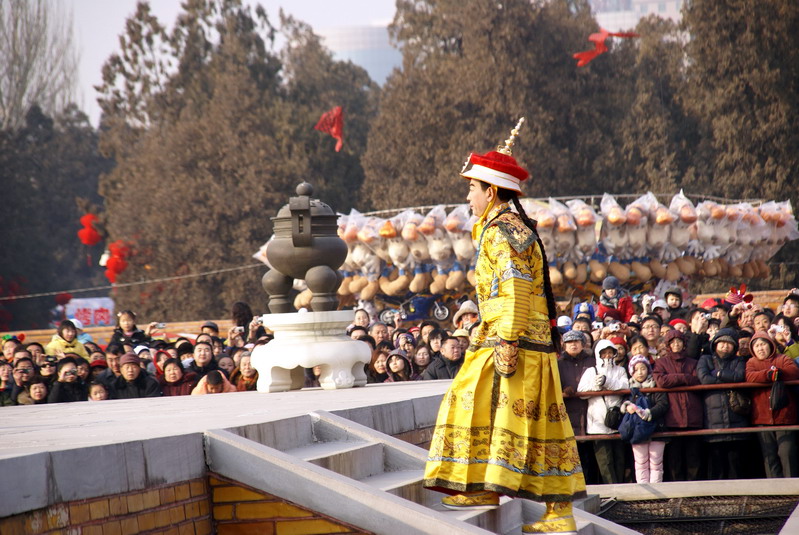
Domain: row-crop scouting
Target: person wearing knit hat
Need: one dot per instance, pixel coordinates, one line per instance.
(674, 369)
(621, 350)
(724, 366)
(673, 298)
(648, 454)
(513, 355)
(133, 381)
(680, 324)
(583, 310)
(613, 297)
(575, 358)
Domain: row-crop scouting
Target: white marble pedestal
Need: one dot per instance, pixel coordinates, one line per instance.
(308, 339)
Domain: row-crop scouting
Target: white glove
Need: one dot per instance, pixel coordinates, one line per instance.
(599, 382)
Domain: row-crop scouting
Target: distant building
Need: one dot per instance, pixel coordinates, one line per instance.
(367, 46)
(616, 15)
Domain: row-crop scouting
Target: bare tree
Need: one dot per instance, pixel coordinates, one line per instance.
(38, 59)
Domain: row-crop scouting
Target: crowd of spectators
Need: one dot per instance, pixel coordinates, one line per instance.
(612, 352)
(136, 363)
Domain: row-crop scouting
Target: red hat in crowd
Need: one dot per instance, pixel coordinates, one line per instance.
(498, 167)
(678, 321)
(98, 363)
(618, 341)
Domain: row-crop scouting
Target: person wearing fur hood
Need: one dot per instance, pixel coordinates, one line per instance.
(606, 375)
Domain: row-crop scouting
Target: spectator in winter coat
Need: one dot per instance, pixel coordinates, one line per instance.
(613, 298)
(68, 387)
(573, 361)
(203, 359)
(723, 366)
(175, 381)
(127, 334)
(697, 339)
(6, 383)
(605, 375)
(650, 330)
(398, 366)
(675, 369)
(767, 366)
(109, 376)
(245, 377)
(66, 341)
(449, 364)
(134, 382)
(673, 297)
(648, 455)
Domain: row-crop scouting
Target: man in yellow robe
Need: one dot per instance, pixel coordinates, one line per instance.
(502, 428)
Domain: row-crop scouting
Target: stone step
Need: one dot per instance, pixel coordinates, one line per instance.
(405, 484)
(357, 460)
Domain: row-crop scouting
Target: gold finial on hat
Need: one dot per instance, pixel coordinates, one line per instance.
(507, 149)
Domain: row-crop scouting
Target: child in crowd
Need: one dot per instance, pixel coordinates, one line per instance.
(127, 334)
(612, 298)
(648, 454)
(97, 392)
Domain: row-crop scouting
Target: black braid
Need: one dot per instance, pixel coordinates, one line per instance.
(551, 305)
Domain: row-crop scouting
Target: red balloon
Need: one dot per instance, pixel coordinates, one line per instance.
(116, 264)
(89, 236)
(87, 219)
(119, 248)
(111, 276)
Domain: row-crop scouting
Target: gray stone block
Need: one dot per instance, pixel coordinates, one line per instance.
(69, 480)
(393, 418)
(173, 459)
(425, 411)
(25, 483)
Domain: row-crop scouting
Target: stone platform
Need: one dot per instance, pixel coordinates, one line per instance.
(45, 428)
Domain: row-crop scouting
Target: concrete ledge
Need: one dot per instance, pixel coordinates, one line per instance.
(688, 489)
(331, 494)
(41, 479)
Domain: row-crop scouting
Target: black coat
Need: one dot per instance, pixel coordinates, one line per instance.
(143, 386)
(202, 371)
(67, 392)
(136, 339)
(696, 345)
(718, 414)
(442, 368)
(571, 369)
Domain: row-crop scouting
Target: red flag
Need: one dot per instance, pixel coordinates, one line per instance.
(332, 122)
(585, 57)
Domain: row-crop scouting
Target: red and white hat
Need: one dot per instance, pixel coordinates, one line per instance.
(498, 167)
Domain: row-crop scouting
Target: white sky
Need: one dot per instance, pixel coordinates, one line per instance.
(98, 24)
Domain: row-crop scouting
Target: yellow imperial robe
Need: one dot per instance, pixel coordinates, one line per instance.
(507, 435)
